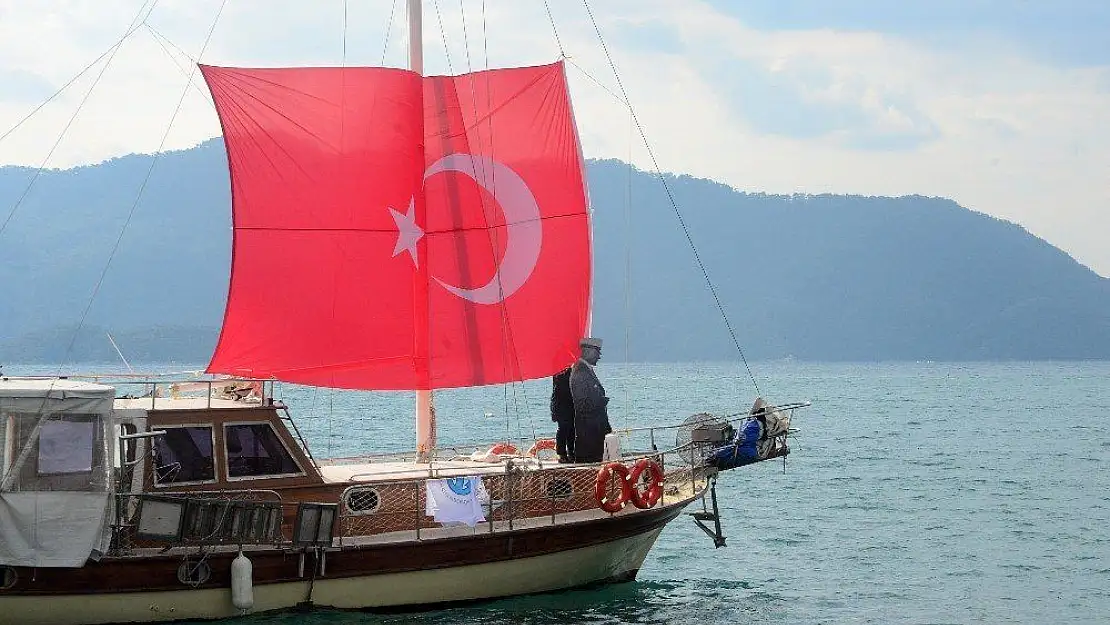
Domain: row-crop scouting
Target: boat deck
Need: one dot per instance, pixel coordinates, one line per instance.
(342, 472)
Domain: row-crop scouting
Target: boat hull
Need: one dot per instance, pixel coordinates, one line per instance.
(479, 567)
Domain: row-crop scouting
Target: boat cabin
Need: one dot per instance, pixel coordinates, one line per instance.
(224, 467)
(213, 444)
(57, 439)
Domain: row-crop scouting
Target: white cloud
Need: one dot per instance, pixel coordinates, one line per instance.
(779, 111)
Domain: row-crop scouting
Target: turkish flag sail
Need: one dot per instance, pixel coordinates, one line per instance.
(394, 231)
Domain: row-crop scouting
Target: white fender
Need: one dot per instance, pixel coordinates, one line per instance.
(612, 448)
(242, 586)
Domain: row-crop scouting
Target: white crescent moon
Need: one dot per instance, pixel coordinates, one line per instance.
(523, 230)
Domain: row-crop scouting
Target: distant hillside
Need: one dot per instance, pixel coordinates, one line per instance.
(813, 277)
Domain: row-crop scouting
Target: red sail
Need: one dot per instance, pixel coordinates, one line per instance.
(393, 231)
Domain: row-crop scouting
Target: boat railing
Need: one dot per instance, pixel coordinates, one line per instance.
(735, 417)
(643, 438)
(515, 491)
(525, 490)
(693, 450)
(142, 386)
(521, 493)
(515, 495)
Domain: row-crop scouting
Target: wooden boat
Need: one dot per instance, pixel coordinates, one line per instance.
(153, 536)
(147, 500)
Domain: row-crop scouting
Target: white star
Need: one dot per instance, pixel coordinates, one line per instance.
(408, 233)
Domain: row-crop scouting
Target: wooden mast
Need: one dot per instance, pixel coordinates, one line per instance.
(425, 402)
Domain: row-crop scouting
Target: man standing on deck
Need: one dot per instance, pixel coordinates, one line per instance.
(562, 413)
(591, 418)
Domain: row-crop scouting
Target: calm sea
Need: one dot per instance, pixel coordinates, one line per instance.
(916, 493)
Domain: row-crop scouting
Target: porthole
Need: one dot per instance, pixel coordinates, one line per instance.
(559, 489)
(193, 573)
(363, 501)
(8, 577)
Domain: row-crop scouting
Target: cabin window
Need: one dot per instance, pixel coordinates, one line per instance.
(66, 452)
(66, 445)
(183, 455)
(256, 450)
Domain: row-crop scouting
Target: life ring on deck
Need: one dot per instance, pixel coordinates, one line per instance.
(541, 445)
(494, 453)
(601, 488)
(503, 448)
(654, 491)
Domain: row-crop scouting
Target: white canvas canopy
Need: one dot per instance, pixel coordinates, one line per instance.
(57, 442)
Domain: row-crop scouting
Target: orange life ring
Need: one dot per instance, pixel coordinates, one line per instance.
(494, 453)
(503, 448)
(541, 445)
(654, 491)
(601, 489)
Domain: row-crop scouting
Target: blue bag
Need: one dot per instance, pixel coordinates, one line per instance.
(742, 450)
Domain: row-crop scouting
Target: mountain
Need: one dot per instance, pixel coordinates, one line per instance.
(826, 277)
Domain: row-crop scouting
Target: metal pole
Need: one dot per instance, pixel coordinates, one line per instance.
(416, 34)
(425, 402)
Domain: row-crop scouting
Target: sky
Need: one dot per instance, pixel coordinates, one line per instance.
(1001, 105)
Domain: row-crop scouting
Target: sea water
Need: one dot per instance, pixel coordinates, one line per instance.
(915, 493)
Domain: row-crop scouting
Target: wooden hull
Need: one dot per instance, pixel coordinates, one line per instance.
(385, 575)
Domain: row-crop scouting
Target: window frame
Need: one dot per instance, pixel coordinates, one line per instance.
(97, 427)
(353, 490)
(22, 434)
(215, 470)
(284, 445)
(6, 444)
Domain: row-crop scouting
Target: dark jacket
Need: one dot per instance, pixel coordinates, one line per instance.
(591, 417)
(562, 404)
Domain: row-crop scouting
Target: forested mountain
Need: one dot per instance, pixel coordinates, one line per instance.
(824, 277)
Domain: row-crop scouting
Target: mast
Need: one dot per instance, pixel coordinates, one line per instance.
(416, 38)
(425, 402)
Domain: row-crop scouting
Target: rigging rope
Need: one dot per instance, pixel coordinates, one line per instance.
(331, 421)
(597, 82)
(162, 38)
(136, 22)
(671, 198)
(507, 341)
(142, 187)
(342, 150)
(628, 250)
(388, 30)
(139, 18)
(506, 350)
(489, 124)
(558, 41)
(130, 31)
(162, 41)
(344, 33)
(443, 35)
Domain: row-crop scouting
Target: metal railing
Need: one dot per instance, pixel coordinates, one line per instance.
(520, 493)
(518, 490)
